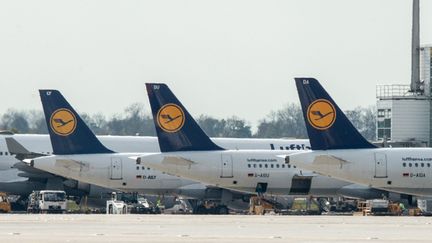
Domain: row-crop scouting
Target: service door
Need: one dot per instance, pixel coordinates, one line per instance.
(227, 166)
(116, 169)
(301, 185)
(380, 165)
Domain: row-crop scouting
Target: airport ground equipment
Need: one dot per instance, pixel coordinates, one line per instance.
(211, 207)
(341, 206)
(305, 206)
(5, 206)
(137, 204)
(379, 207)
(47, 201)
(260, 206)
(115, 206)
(425, 206)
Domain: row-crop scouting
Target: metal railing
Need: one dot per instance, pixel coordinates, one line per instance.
(389, 91)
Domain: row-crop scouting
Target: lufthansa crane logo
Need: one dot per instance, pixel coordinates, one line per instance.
(321, 114)
(63, 122)
(170, 118)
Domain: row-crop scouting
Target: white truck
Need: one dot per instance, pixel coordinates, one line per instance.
(115, 206)
(47, 201)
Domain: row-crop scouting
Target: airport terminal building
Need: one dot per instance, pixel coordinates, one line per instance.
(404, 117)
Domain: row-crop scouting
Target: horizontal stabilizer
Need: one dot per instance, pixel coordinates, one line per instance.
(20, 151)
(315, 161)
(73, 165)
(329, 160)
(175, 160)
(31, 172)
(43, 176)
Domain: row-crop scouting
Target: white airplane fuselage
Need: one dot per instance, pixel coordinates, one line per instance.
(40, 143)
(115, 171)
(98, 169)
(242, 170)
(401, 170)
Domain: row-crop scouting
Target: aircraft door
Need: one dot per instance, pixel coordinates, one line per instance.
(300, 185)
(116, 169)
(380, 165)
(227, 166)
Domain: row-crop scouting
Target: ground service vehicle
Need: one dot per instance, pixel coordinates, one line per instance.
(5, 206)
(47, 201)
(137, 204)
(116, 206)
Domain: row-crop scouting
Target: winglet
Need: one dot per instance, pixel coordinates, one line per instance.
(175, 127)
(68, 132)
(327, 125)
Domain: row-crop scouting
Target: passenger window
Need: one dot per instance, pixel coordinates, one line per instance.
(266, 165)
(289, 166)
(428, 164)
(404, 164)
(281, 148)
(1, 153)
(6, 153)
(254, 165)
(416, 164)
(260, 165)
(272, 166)
(410, 165)
(143, 167)
(277, 165)
(283, 165)
(137, 167)
(422, 164)
(249, 165)
(148, 168)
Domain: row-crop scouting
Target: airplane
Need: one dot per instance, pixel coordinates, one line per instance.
(341, 152)
(79, 155)
(188, 152)
(19, 179)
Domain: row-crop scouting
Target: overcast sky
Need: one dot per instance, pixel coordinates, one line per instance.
(221, 58)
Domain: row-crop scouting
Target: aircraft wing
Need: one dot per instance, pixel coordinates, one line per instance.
(20, 152)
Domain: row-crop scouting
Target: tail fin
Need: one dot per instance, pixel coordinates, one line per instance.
(327, 125)
(175, 127)
(68, 132)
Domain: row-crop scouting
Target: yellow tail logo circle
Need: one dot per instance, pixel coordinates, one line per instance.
(170, 118)
(321, 114)
(63, 122)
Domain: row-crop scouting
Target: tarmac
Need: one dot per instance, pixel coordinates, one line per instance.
(212, 228)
